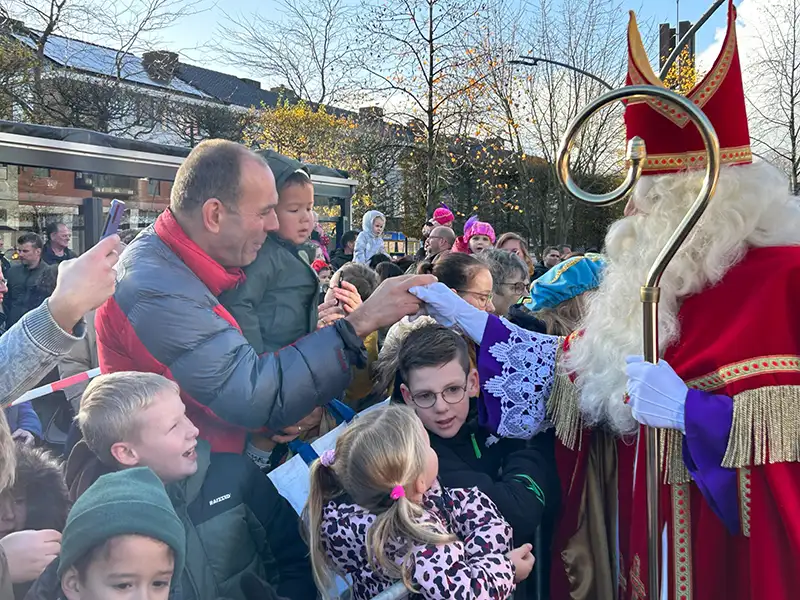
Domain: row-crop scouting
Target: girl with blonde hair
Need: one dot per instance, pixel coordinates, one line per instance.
(376, 513)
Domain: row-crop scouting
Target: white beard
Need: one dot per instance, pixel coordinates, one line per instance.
(751, 208)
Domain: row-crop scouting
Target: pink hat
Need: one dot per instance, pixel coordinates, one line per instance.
(443, 215)
(479, 228)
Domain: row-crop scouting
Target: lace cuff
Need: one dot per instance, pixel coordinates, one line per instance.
(517, 370)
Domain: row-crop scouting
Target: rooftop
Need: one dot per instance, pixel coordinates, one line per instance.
(100, 60)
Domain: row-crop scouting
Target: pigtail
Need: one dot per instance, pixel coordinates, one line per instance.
(324, 486)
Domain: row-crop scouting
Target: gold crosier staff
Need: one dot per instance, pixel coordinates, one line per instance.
(650, 291)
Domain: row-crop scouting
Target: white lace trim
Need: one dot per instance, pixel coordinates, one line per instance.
(528, 362)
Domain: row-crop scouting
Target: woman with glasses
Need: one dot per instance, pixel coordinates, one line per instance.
(509, 277)
(462, 273)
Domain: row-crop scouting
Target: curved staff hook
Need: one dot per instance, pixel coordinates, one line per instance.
(649, 292)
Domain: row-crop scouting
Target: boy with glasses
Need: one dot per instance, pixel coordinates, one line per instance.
(518, 475)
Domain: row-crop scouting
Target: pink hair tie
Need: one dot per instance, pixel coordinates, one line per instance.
(397, 492)
(327, 458)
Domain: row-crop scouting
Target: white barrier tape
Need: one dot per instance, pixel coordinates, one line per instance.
(55, 386)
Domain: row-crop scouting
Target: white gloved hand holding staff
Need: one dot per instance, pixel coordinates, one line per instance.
(657, 394)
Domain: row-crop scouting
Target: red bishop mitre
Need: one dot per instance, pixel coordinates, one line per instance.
(673, 142)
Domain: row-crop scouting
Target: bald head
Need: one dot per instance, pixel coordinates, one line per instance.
(224, 197)
(212, 170)
(440, 239)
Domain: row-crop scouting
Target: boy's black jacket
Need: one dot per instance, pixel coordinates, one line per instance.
(518, 475)
(237, 526)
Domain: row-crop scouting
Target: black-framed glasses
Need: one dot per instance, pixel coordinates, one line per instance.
(452, 395)
(518, 287)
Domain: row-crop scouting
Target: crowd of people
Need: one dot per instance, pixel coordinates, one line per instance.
(231, 340)
(487, 404)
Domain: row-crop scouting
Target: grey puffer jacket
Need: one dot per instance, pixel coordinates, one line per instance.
(165, 318)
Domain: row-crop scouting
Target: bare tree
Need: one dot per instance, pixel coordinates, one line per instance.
(415, 54)
(192, 123)
(773, 90)
(307, 48)
(499, 109)
(589, 36)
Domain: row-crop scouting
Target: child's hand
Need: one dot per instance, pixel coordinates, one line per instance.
(30, 552)
(26, 438)
(522, 560)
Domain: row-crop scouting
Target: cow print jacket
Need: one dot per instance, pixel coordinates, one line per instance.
(472, 568)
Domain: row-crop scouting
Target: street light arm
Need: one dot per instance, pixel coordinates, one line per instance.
(685, 39)
(530, 61)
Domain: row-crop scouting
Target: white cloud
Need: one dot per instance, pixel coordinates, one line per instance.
(750, 22)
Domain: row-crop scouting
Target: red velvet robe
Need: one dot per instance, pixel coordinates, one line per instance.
(739, 337)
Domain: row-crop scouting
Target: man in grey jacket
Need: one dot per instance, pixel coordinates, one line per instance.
(165, 316)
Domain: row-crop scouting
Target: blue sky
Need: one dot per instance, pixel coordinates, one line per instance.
(189, 36)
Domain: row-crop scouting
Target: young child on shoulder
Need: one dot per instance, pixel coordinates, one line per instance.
(377, 514)
(370, 241)
(519, 476)
(122, 538)
(277, 304)
(478, 236)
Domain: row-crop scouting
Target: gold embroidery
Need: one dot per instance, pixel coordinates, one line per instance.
(766, 427)
(744, 499)
(691, 160)
(562, 406)
(623, 582)
(562, 268)
(744, 369)
(682, 549)
(705, 90)
(637, 585)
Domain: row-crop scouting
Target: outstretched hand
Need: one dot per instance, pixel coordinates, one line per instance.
(388, 304)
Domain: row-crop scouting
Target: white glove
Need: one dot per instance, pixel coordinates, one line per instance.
(450, 309)
(657, 394)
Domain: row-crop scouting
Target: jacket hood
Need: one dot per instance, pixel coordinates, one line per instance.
(83, 469)
(367, 220)
(186, 491)
(47, 498)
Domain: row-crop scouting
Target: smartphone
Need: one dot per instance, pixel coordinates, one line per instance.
(114, 218)
(339, 285)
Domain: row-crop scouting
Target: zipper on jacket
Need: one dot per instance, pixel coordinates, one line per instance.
(475, 446)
